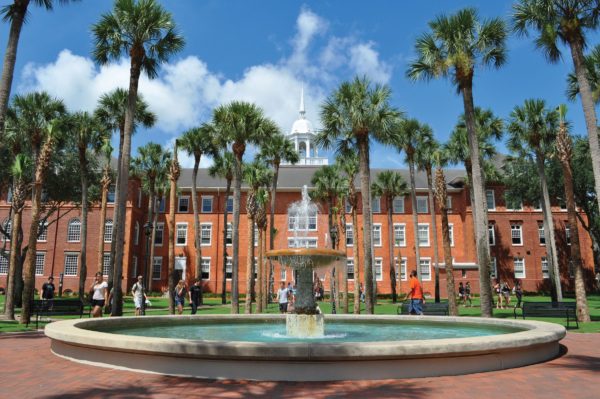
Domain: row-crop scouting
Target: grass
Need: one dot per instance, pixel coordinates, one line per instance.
(212, 305)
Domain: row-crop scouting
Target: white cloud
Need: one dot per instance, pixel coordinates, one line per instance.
(364, 59)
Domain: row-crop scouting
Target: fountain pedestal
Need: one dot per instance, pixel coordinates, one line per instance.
(305, 325)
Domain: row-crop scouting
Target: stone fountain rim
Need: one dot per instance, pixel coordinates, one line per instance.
(323, 252)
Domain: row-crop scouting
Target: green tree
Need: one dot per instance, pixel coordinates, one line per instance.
(592, 64)
(453, 48)
(174, 172)
(262, 201)
(389, 185)
(105, 182)
(146, 32)
(360, 111)
(197, 142)
(238, 124)
(531, 134)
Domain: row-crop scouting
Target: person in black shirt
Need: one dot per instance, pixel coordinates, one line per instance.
(194, 294)
(47, 293)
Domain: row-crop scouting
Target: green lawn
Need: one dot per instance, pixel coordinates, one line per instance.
(384, 306)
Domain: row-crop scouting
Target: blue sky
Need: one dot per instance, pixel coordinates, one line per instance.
(265, 51)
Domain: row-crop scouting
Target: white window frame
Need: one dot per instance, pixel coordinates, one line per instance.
(179, 200)
(376, 205)
(210, 236)
(350, 264)
(255, 235)
(494, 271)
(419, 236)
(545, 267)
(492, 230)
(206, 197)
(43, 234)
(136, 233)
(568, 235)
(312, 242)
(227, 204)
(448, 203)
(515, 267)
(159, 227)
(378, 262)
(202, 267)
(426, 198)
(349, 235)
(105, 266)
(347, 206)
(397, 227)
(110, 225)
(181, 226)
(111, 189)
(71, 255)
(395, 205)
(4, 259)
(7, 225)
(520, 229)
(37, 265)
(379, 242)
(75, 235)
(451, 231)
(493, 197)
(157, 261)
(282, 273)
(229, 262)
(401, 268)
(426, 276)
(541, 234)
(312, 221)
(229, 233)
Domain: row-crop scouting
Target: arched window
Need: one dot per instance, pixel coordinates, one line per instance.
(136, 233)
(108, 230)
(74, 230)
(7, 226)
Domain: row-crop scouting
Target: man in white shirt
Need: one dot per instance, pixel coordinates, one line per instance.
(137, 291)
(282, 298)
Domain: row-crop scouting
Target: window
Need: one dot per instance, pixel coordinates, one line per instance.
(7, 225)
(401, 269)
(398, 205)
(161, 205)
(348, 205)
(71, 264)
(4, 262)
(451, 233)
(490, 200)
(302, 242)
(134, 266)
(350, 268)
(255, 236)
(423, 233)
(541, 233)
(516, 234)
(296, 223)
(377, 235)
(184, 204)
(207, 203)
(159, 233)
(106, 263)
(568, 235)
(494, 271)
(229, 268)
(43, 231)
(376, 205)
(463, 273)
(181, 234)
(519, 267)
(229, 204)
(40, 260)
(74, 230)
(136, 234)
(205, 233)
(156, 267)
(491, 234)
(282, 274)
(425, 269)
(449, 203)
(229, 234)
(545, 269)
(399, 235)
(110, 199)
(422, 205)
(205, 268)
(378, 270)
(108, 230)
(563, 205)
(349, 235)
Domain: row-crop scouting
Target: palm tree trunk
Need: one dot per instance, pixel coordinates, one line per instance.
(333, 242)
(259, 274)
(151, 216)
(389, 204)
(224, 283)
(249, 265)
(17, 217)
(365, 191)
(442, 196)
(116, 217)
(105, 186)
(84, 226)
(197, 240)
(589, 111)
(356, 257)
(272, 228)
(10, 57)
(549, 231)
(415, 219)
(123, 179)
(480, 219)
(263, 263)
(344, 278)
(150, 264)
(237, 194)
(173, 176)
(436, 258)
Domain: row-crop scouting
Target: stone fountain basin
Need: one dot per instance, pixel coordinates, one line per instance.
(77, 341)
(310, 257)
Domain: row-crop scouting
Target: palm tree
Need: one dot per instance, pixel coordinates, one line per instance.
(16, 14)
(453, 48)
(359, 111)
(146, 32)
(592, 63)
(238, 124)
(262, 198)
(564, 150)
(152, 166)
(566, 22)
(223, 165)
(442, 199)
(389, 185)
(409, 137)
(274, 151)
(425, 154)
(88, 135)
(174, 172)
(532, 132)
(256, 175)
(197, 142)
(105, 181)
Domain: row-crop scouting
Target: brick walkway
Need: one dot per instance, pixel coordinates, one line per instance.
(30, 370)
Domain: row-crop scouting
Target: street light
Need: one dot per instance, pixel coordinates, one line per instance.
(148, 232)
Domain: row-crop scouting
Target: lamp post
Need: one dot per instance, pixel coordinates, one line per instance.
(148, 232)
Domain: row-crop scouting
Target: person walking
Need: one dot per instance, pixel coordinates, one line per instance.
(99, 293)
(282, 298)
(47, 293)
(461, 293)
(498, 290)
(179, 296)
(468, 294)
(518, 291)
(194, 294)
(506, 295)
(138, 294)
(415, 295)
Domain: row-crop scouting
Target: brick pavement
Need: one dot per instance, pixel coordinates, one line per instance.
(30, 370)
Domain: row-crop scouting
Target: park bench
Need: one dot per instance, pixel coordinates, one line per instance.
(429, 309)
(550, 309)
(55, 307)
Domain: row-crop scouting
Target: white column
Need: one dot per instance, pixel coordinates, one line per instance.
(307, 148)
(296, 143)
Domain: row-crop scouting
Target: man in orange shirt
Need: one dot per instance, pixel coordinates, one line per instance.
(415, 295)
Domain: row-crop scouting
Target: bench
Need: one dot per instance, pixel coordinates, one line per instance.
(429, 309)
(55, 307)
(550, 309)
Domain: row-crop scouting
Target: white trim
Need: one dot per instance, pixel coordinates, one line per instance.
(451, 231)
(375, 260)
(346, 235)
(376, 200)
(402, 243)
(212, 203)
(162, 229)
(210, 238)
(399, 268)
(515, 269)
(68, 254)
(159, 270)
(428, 233)
(186, 231)
(402, 197)
(183, 197)
(202, 267)
(493, 199)
(380, 235)
(521, 234)
(493, 241)
(353, 268)
(428, 259)
(426, 197)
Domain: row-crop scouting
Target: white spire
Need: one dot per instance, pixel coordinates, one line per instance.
(302, 111)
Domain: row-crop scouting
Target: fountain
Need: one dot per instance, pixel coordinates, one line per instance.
(305, 321)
